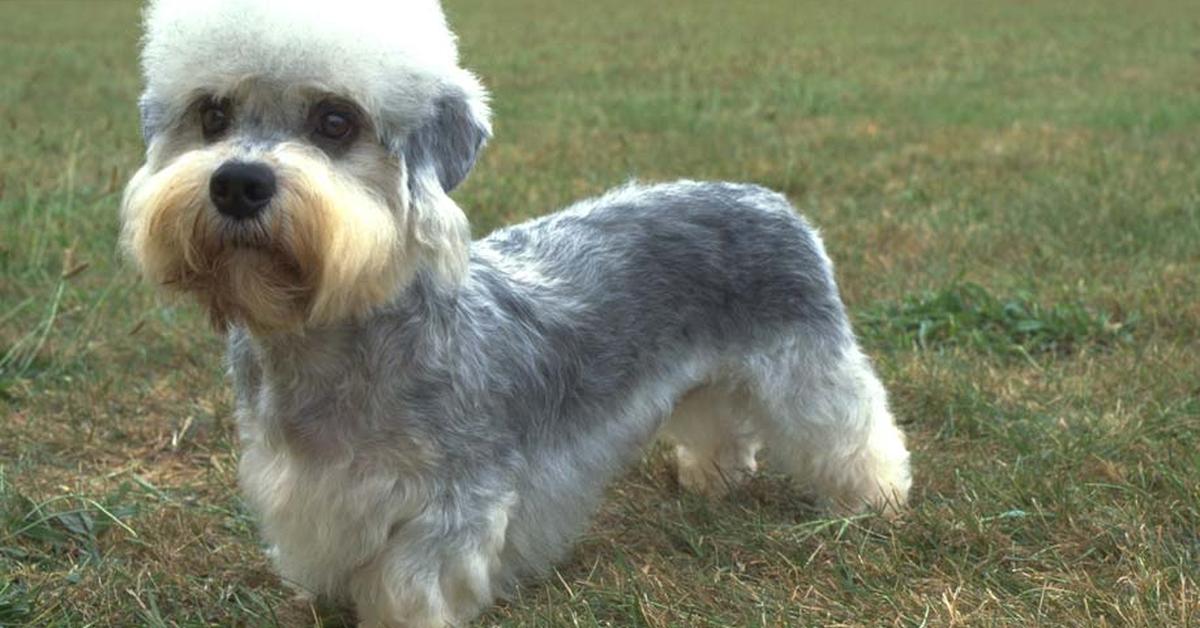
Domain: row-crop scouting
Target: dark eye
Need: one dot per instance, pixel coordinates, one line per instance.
(336, 124)
(214, 117)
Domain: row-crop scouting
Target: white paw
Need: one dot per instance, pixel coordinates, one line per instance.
(713, 477)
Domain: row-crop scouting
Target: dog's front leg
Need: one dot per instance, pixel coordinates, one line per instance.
(438, 569)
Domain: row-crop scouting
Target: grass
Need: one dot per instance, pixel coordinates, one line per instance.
(1011, 192)
(967, 315)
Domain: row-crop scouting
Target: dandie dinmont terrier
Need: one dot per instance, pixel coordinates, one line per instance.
(425, 419)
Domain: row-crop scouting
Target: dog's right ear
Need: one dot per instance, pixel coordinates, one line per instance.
(152, 113)
(437, 156)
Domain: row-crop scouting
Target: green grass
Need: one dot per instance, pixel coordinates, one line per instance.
(1011, 192)
(967, 315)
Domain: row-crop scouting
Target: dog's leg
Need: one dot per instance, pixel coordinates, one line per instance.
(827, 424)
(438, 570)
(715, 441)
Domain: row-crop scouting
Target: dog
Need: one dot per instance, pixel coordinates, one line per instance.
(426, 420)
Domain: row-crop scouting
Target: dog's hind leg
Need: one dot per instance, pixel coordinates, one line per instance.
(826, 423)
(715, 438)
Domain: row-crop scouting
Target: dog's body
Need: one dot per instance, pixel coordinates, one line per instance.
(497, 413)
(424, 421)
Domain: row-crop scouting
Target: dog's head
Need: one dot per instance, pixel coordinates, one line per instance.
(299, 155)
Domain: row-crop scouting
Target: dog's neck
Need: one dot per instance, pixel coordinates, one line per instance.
(320, 353)
(290, 358)
(311, 389)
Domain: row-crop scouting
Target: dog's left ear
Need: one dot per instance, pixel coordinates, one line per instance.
(437, 156)
(450, 141)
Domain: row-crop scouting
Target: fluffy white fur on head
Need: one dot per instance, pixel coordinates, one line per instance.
(394, 58)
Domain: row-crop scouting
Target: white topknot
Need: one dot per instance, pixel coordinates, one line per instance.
(395, 58)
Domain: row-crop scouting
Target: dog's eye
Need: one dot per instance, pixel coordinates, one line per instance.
(335, 125)
(214, 118)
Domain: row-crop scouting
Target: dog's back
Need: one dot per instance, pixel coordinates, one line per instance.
(715, 262)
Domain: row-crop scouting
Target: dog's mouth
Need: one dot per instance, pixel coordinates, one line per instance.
(247, 278)
(249, 233)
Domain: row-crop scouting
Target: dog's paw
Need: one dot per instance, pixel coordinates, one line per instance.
(709, 477)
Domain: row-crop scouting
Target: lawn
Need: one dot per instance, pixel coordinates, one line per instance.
(1010, 190)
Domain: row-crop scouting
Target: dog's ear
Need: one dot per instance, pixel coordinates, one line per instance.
(450, 140)
(152, 113)
(437, 155)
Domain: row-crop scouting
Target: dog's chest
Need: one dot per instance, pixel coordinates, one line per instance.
(324, 519)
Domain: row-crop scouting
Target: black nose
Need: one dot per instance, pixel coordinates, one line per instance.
(240, 190)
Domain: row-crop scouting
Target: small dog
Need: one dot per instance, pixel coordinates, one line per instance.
(424, 419)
